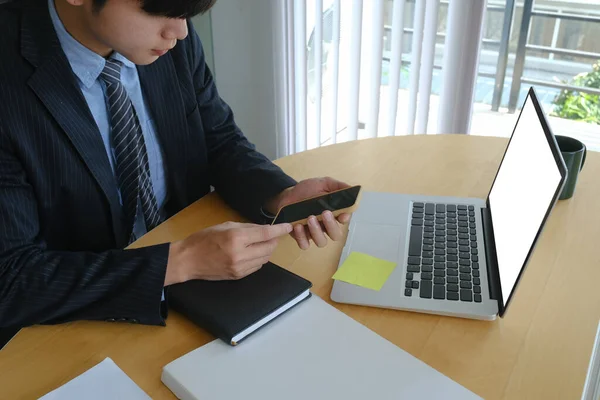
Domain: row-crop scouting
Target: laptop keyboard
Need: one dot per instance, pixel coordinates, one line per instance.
(443, 258)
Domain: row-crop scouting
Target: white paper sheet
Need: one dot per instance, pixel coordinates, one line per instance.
(104, 381)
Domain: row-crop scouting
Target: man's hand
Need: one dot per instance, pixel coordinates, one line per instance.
(223, 252)
(315, 230)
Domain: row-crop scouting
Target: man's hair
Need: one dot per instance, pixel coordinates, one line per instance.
(169, 8)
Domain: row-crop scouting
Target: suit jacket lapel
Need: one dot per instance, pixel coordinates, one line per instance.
(161, 91)
(55, 84)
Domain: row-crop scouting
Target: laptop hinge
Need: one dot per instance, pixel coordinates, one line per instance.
(491, 258)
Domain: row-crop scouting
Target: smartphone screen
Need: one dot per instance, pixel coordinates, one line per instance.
(316, 206)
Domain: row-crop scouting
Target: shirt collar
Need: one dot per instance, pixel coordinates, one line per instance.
(86, 64)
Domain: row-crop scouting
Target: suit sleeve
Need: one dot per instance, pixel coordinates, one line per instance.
(42, 286)
(245, 178)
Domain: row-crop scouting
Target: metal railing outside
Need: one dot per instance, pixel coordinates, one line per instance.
(522, 47)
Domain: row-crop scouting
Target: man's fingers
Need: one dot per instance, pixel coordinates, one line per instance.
(265, 233)
(301, 237)
(343, 218)
(316, 232)
(260, 250)
(333, 228)
(249, 267)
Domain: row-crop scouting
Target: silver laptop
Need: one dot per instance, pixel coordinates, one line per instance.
(459, 256)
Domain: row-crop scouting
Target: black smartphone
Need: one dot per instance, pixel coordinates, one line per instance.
(338, 202)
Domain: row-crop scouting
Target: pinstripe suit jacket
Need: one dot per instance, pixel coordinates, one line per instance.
(61, 224)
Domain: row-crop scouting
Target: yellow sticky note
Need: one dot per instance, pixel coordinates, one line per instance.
(364, 270)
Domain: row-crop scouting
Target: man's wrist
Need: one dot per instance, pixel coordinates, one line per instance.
(175, 266)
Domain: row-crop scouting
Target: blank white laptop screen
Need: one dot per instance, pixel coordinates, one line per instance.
(523, 190)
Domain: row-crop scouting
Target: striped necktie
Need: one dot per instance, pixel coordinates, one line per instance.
(133, 172)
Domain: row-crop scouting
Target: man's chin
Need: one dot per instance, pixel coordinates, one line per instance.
(143, 60)
(147, 61)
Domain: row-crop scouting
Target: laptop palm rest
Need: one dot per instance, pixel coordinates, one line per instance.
(379, 229)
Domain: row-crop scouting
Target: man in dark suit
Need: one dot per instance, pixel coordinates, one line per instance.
(110, 122)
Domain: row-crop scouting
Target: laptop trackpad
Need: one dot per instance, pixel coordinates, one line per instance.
(377, 240)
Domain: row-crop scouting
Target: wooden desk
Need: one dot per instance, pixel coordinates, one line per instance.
(540, 350)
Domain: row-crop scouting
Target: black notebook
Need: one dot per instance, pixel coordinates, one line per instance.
(232, 310)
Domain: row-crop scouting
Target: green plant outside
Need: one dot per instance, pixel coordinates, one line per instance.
(577, 105)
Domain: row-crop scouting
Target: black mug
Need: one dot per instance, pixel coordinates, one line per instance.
(573, 152)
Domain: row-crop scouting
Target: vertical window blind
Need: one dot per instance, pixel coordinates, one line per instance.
(341, 69)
